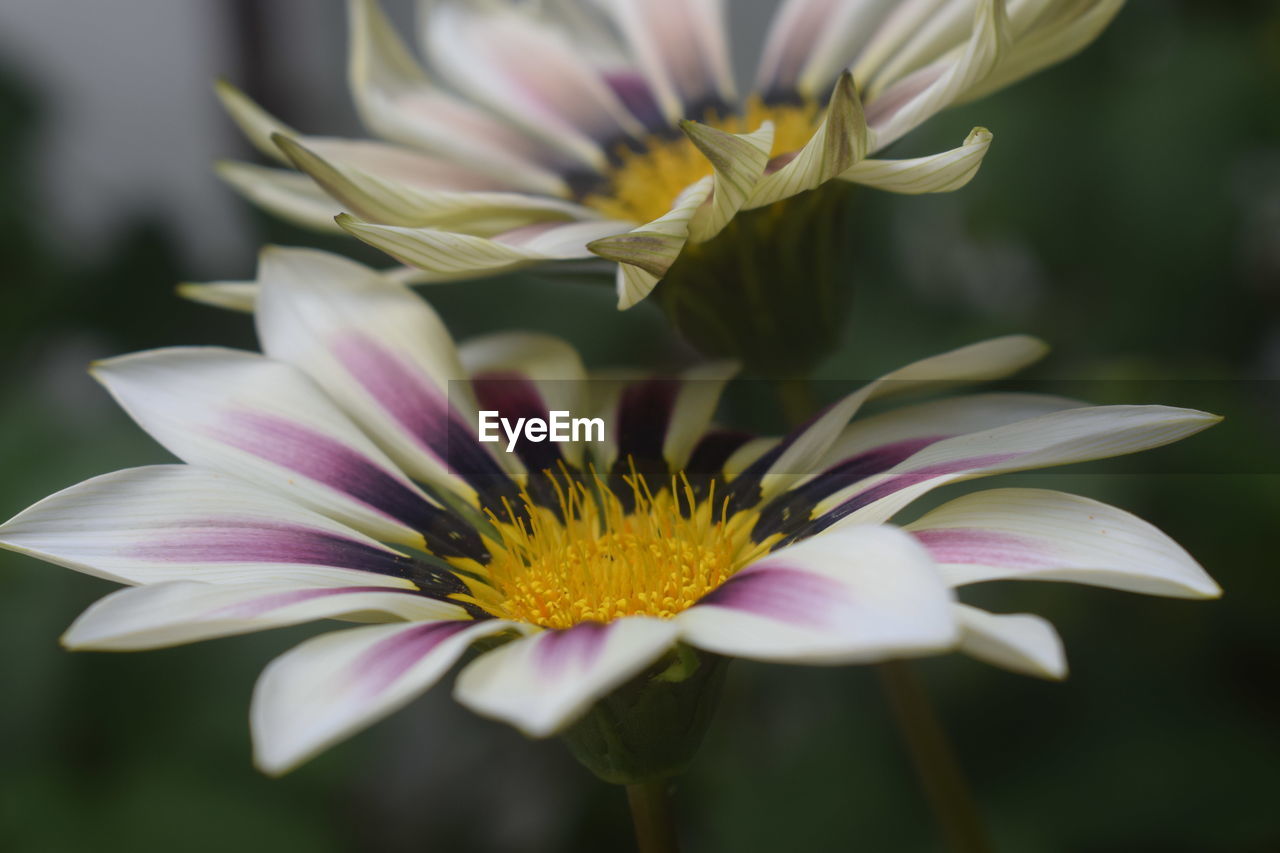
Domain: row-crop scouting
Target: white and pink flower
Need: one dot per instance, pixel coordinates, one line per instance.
(338, 476)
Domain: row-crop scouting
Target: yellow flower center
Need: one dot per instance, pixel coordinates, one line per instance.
(594, 558)
(644, 183)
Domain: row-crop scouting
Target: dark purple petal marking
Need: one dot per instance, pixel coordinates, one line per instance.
(897, 484)
(633, 90)
(744, 492)
(985, 547)
(332, 463)
(277, 600)
(641, 423)
(425, 414)
(788, 512)
(640, 429)
(795, 596)
(252, 541)
(576, 649)
(515, 396)
(706, 464)
(386, 662)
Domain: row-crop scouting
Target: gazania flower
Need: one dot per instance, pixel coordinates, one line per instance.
(339, 475)
(613, 128)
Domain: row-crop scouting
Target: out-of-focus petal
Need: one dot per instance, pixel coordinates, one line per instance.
(1021, 642)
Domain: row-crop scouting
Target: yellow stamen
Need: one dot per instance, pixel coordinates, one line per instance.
(593, 559)
(645, 183)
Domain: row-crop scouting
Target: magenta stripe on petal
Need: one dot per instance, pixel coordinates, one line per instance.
(252, 541)
(575, 649)
(904, 481)
(384, 663)
(326, 460)
(795, 596)
(276, 600)
(985, 547)
(790, 511)
(422, 409)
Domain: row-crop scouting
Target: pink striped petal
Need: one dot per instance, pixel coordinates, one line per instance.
(338, 683)
(266, 422)
(1059, 438)
(1033, 534)
(169, 614)
(178, 522)
(405, 386)
(544, 682)
(851, 596)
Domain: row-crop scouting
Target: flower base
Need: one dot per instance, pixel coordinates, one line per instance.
(773, 289)
(651, 727)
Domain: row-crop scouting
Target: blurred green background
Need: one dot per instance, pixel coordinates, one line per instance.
(1129, 213)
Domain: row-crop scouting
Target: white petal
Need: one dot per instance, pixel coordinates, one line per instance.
(851, 596)
(509, 60)
(738, 161)
(1060, 31)
(232, 295)
(257, 124)
(450, 257)
(938, 419)
(382, 353)
(646, 253)
(397, 101)
(266, 422)
(392, 202)
(938, 173)
(332, 686)
(178, 522)
(944, 29)
(1033, 534)
(839, 142)
(292, 197)
(682, 49)
(797, 454)
(1060, 438)
(811, 41)
(544, 682)
(910, 101)
(1021, 642)
(907, 19)
(170, 614)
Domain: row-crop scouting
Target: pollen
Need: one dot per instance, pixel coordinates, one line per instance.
(645, 182)
(597, 558)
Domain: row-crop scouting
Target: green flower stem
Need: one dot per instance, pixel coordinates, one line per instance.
(935, 762)
(796, 399)
(651, 813)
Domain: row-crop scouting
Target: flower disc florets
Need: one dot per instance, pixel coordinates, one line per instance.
(593, 556)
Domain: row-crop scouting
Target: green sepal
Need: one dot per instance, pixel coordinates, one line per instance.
(651, 727)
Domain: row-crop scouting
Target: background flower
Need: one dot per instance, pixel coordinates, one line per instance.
(615, 129)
